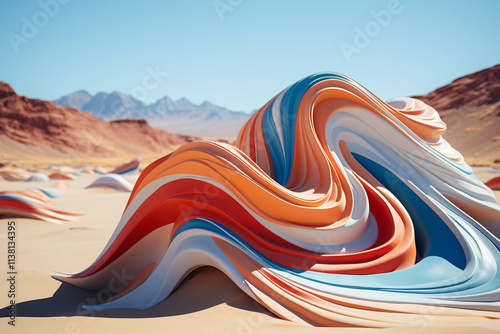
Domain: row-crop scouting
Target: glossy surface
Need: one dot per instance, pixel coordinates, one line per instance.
(332, 208)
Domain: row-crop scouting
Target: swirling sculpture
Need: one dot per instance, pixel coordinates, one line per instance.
(494, 183)
(131, 167)
(61, 176)
(332, 208)
(38, 177)
(113, 181)
(32, 203)
(14, 174)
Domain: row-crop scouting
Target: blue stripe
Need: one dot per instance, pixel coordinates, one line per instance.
(288, 113)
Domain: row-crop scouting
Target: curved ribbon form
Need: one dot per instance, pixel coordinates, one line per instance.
(112, 181)
(37, 177)
(332, 208)
(14, 174)
(60, 176)
(32, 203)
(494, 183)
(131, 167)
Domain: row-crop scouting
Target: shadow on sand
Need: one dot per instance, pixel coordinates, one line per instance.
(204, 288)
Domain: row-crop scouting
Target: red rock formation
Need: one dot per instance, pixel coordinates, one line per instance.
(43, 124)
(472, 90)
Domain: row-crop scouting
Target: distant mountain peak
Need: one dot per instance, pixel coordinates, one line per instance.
(117, 93)
(163, 98)
(45, 128)
(75, 100)
(207, 104)
(82, 92)
(178, 116)
(6, 90)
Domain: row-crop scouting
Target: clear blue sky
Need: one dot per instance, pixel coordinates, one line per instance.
(242, 52)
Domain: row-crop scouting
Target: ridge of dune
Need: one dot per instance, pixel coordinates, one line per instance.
(53, 129)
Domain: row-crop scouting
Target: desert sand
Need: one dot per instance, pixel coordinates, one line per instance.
(206, 301)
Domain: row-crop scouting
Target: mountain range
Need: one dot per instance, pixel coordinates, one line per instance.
(36, 127)
(469, 105)
(177, 116)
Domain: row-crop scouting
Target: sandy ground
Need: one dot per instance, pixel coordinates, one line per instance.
(36, 162)
(206, 302)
